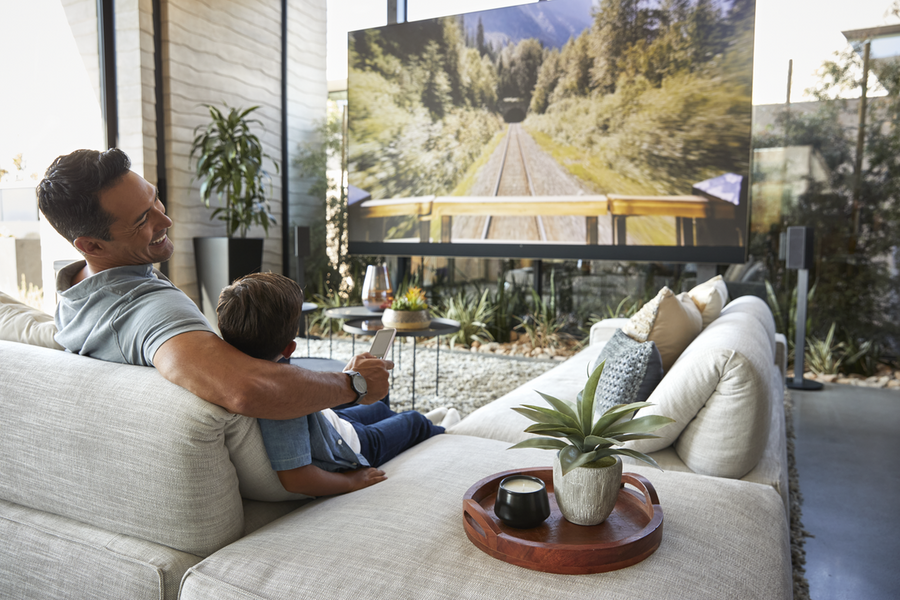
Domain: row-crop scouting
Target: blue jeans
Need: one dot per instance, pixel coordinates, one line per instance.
(383, 434)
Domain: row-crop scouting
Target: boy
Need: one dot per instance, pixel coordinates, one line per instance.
(328, 452)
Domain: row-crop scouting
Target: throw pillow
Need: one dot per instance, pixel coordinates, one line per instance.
(632, 371)
(710, 298)
(670, 321)
(25, 325)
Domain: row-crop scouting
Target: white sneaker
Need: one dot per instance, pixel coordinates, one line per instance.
(437, 415)
(451, 419)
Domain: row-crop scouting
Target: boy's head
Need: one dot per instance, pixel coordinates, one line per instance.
(259, 314)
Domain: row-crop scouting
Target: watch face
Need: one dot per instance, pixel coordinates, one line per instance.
(359, 383)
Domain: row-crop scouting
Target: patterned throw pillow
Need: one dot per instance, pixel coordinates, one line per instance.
(632, 371)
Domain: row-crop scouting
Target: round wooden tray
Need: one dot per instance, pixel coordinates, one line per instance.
(629, 535)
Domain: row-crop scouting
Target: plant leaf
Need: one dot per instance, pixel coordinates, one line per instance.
(552, 429)
(560, 405)
(640, 425)
(615, 414)
(627, 437)
(542, 414)
(570, 458)
(637, 455)
(592, 441)
(586, 406)
(541, 442)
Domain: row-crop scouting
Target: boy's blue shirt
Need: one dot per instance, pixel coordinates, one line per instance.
(309, 440)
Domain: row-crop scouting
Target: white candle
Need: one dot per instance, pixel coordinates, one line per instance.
(522, 484)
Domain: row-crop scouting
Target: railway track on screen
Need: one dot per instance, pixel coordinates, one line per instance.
(514, 179)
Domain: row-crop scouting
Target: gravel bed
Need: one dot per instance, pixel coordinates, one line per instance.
(468, 380)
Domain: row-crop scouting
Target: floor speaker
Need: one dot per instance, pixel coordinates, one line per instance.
(799, 248)
(799, 257)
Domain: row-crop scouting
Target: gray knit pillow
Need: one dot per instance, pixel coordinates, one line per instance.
(633, 370)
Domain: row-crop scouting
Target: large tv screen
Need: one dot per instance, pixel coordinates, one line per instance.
(578, 129)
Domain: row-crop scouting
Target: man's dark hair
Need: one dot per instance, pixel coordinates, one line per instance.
(69, 194)
(259, 314)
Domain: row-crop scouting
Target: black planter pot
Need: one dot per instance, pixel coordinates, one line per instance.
(221, 260)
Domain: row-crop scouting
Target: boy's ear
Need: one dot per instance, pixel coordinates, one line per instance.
(289, 350)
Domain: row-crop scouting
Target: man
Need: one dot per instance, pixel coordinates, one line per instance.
(115, 306)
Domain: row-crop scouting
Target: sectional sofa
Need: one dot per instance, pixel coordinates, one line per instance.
(115, 483)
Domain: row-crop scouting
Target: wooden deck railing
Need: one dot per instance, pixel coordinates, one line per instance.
(685, 209)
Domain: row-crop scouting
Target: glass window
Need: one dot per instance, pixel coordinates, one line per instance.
(50, 106)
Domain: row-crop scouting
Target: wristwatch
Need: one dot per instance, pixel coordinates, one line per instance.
(358, 383)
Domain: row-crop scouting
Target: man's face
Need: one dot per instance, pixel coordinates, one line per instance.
(140, 223)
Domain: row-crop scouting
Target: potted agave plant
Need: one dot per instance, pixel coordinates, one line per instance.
(409, 311)
(587, 471)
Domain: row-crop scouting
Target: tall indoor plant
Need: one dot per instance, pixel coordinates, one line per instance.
(230, 166)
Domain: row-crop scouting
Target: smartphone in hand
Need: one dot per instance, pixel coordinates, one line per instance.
(381, 345)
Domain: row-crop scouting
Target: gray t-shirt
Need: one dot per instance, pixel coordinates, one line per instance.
(123, 314)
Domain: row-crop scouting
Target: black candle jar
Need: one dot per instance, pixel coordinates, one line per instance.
(522, 501)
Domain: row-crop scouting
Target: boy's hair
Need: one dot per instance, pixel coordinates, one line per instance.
(259, 314)
(69, 194)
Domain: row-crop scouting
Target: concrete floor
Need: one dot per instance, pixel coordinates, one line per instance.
(847, 450)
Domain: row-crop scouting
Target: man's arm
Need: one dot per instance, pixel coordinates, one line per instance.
(204, 364)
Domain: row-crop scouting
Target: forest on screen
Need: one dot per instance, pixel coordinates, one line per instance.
(650, 98)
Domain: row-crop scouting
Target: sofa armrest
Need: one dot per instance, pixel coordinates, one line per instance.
(602, 331)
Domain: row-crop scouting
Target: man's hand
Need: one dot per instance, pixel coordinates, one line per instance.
(375, 371)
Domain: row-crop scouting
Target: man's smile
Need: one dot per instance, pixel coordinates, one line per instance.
(161, 239)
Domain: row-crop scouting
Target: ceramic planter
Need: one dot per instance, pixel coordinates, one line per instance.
(406, 319)
(587, 495)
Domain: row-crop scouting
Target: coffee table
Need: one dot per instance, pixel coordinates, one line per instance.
(438, 327)
(345, 313)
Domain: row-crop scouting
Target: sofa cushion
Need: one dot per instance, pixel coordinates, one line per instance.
(631, 372)
(497, 420)
(671, 322)
(710, 297)
(718, 392)
(26, 325)
(404, 538)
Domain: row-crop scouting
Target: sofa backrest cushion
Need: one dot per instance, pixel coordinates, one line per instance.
(119, 447)
(26, 325)
(718, 392)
